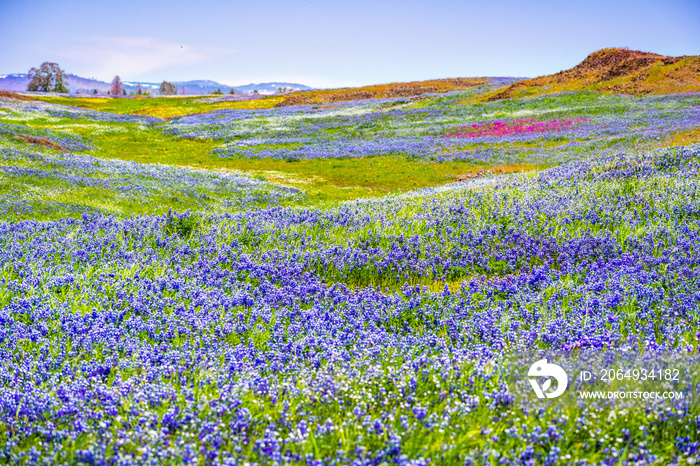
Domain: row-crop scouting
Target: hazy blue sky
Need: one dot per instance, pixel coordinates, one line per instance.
(333, 43)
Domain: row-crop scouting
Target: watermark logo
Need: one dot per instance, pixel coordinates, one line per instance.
(541, 369)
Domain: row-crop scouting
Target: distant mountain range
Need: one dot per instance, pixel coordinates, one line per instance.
(76, 84)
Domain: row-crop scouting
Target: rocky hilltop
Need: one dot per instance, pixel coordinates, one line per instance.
(620, 71)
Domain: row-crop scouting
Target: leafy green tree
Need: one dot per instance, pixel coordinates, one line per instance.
(167, 88)
(231, 92)
(217, 92)
(139, 91)
(49, 77)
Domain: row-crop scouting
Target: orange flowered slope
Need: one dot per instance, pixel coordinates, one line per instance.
(620, 71)
(382, 91)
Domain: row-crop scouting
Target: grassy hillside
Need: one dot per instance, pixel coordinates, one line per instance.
(382, 91)
(619, 71)
(165, 107)
(162, 107)
(345, 150)
(367, 282)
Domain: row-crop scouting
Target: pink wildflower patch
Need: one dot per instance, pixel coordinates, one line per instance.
(497, 128)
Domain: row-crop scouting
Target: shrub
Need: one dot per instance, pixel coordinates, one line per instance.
(182, 225)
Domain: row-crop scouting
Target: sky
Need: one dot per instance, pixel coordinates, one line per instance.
(333, 43)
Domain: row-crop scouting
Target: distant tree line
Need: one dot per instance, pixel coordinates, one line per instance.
(218, 92)
(49, 77)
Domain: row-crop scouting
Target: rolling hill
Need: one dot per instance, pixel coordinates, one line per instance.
(384, 91)
(615, 70)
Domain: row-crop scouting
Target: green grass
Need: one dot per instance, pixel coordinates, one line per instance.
(621, 203)
(162, 107)
(321, 179)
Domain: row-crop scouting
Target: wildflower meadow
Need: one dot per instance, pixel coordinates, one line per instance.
(371, 282)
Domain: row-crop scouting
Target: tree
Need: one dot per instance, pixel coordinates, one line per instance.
(138, 90)
(217, 92)
(231, 92)
(167, 88)
(49, 77)
(94, 91)
(117, 86)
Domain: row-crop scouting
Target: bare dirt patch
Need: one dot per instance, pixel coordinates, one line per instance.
(495, 170)
(14, 95)
(42, 142)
